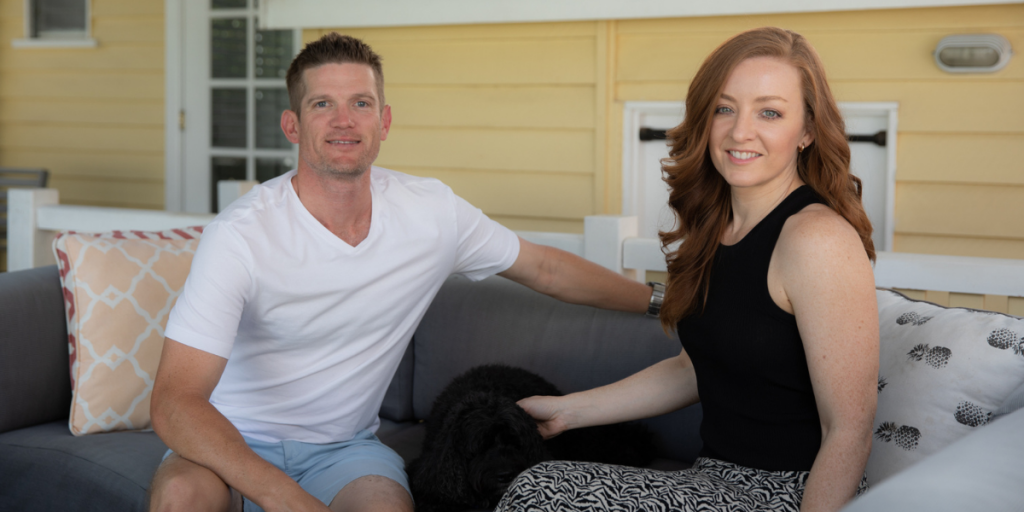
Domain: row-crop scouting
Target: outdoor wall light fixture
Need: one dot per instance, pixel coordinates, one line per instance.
(973, 53)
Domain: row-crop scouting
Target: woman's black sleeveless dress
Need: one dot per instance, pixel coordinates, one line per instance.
(760, 428)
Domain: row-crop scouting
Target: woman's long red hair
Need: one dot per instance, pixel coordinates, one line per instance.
(700, 196)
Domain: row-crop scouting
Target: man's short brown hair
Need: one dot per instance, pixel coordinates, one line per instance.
(332, 48)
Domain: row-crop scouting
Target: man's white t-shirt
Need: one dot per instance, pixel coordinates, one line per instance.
(313, 328)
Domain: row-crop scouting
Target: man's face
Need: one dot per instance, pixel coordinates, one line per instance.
(342, 122)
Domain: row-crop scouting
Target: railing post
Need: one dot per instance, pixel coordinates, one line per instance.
(229, 190)
(602, 240)
(27, 245)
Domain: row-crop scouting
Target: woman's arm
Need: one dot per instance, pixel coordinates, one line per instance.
(828, 281)
(658, 389)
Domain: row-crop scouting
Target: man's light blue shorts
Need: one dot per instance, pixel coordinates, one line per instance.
(323, 469)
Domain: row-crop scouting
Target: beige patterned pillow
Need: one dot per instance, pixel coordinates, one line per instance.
(119, 288)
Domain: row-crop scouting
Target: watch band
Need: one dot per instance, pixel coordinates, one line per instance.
(657, 297)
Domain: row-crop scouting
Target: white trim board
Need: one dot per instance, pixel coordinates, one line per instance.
(174, 105)
(393, 13)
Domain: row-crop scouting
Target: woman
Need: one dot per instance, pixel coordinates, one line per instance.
(773, 297)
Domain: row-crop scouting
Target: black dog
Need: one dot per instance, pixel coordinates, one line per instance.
(478, 440)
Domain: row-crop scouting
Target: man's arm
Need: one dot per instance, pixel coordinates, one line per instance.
(569, 278)
(186, 421)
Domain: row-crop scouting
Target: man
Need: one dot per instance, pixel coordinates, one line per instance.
(302, 298)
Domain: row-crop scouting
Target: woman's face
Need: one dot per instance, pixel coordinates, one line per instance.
(759, 123)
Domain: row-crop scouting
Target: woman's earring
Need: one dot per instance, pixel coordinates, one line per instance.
(800, 148)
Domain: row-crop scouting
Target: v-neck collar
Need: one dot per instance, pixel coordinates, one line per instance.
(326, 234)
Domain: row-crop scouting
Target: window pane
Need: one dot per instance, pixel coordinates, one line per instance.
(227, 4)
(269, 168)
(224, 168)
(227, 48)
(228, 118)
(270, 102)
(58, 15)
(273, 53)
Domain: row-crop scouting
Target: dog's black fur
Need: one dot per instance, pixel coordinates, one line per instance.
(478, 440)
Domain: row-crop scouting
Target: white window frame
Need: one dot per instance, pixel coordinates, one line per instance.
(183, 183)
(73, 39)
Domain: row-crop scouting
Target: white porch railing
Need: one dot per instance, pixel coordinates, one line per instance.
(35, 215)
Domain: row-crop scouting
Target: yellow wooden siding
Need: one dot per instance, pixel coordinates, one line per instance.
(1016, 306)
(527, 107)
(960, 245)
(526, 119)
(92, 116)
(510, 116)
(960, 148)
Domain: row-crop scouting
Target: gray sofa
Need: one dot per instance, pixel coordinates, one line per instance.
(44, 467)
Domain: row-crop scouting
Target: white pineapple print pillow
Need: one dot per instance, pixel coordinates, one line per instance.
(942, 373)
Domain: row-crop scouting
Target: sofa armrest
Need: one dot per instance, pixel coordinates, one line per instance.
(35, 381)
(981, 471)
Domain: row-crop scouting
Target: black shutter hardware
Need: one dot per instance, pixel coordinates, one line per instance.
(648, 134)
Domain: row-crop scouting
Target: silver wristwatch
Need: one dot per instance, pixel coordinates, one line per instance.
(657, 297)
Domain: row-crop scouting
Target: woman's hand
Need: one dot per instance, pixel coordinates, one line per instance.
(549, 413)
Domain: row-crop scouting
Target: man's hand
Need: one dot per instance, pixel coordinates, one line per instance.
(186, 421)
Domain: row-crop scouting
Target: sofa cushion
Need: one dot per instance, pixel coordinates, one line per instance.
(981, 471)
(1012, 403)
(119, 289)
(46, 468)
(575, 347)
(405, 438)
(942, 373)
(33, 349)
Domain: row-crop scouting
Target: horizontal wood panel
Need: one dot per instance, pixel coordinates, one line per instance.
(113, 8)
(875, 55)
(119, 193)
(82, 137)
(105, 30)
(464, 32)
(650, 91)
(961, 158)
(493, 106)
(964, 210)
(490, 149)
(1015, 306)
(133, 57)
(536, 195)
(952, 107)
(983, 106)
(663, 57)
(979, 17)
(543, 225)
(100, 112)
(98, 164)
(959, 246)
(86, 85)
(966, 300)
(136, 29)
(11, 8)
(562, 61)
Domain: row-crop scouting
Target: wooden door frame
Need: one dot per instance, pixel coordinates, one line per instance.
(174, 105)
